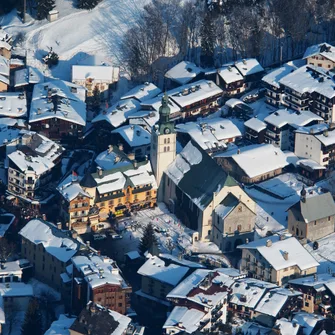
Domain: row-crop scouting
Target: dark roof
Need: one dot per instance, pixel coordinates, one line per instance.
(202, 179)
(95, 319)
(88, 181)
(314, 208)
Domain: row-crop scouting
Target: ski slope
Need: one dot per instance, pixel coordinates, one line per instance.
(77, 34)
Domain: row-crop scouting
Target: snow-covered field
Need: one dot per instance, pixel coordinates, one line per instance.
(77, 34)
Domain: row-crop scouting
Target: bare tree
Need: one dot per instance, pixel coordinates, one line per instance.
(7, 249)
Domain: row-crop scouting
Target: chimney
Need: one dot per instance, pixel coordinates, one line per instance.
(268, 243)
(74, 234)
(285, 255)
(282, 237)
(180, 324)
(303, 194)
(39, 111)
(146, 158)
(99, 171)
(217, 77)
(44, 217)
(238, 151)
(131, 156)
(120, 145)
(246, 241)
(88, 244)
(59, 225)
(135, 164)
(110, 149)
(315, 277)
(294, 325)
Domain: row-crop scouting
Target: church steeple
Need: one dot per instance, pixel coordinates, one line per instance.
(165, 126)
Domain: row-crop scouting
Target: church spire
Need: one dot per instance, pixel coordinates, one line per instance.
(165, 126)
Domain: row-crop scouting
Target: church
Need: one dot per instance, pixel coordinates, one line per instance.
(198, 190)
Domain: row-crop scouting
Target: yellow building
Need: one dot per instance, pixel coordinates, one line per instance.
(277, 259)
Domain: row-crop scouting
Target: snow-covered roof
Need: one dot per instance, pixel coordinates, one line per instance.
(108, 160)
(41, 153)
(56, 242)
(194, 92)
(14, 289)
(315, 281)
(307, 321)
(108, 74)
(60, 326)
(133, 254)
(188, 318)
(195, 288)
(274, 76)
(8, 135)
(249, 66)
(248, 292)
(287, 327)
(232, 102)
(156, 103)
(13, 104)
(155, 268)
(314, 129)
(230, 74)
(142, 92)
(271, 303)
(13, 268)
(255, 124)
(282, 117)
(181, 261)
(116, 179)
(211, 133)
(323, 49)
(297, 255)
(134, 135)
(4, 35)
(5, 45)
(256, 159)
(183, 72)
(310, 164)
(10, 122)
(29, 75)
(99, 270)
(6, 221)
(70, 188)
(4, 66)
(308, 79)
(327, 137)
(118, 114)
(66, 102)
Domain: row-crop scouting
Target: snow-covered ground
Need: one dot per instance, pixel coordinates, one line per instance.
(76, 35)
(324, 254)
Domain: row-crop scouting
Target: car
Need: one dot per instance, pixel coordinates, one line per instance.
(98, 237)
(115, 236)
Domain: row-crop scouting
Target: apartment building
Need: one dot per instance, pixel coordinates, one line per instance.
(277, 259)
(255, 130)
(33, 166)
(280, 126)
(100, 77)
(98, 279)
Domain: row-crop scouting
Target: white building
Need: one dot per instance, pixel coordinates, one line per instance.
(322, 55)
(212, 134)
(92, 77)
(183, 73)
(282, 123)
(13, 105)
(31, 165)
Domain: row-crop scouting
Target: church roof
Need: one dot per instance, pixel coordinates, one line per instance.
(197, 175)
(314, 208)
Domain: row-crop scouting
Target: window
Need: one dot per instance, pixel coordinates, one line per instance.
(119, 200)
(168, 140)
(239, 227)
(165, 140)
(164, 149)
(306, 304)
(328, 218)
(120, 304)
(314, 223)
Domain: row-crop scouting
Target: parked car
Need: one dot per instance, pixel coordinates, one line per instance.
(98, 237)
(115, 236)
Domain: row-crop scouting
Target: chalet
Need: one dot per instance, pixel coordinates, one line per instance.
(277, 259)
(196, 99)
(321, 55)
(134, 139)
(253, 163)
(96, 77)
(312, 217)
(255, 130)
(282, 124)
(142, 92)
(58, 110)
(32, 166)
(26, 78)
(316, 297)
(99, 279)
(251, 71)
(211, 135)
(274, 89)
(182, 74)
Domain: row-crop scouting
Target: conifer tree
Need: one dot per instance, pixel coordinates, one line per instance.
(87, 4)
(148, 239)
(43, 8)
(208, 38)
(32, 323)
(95, 101)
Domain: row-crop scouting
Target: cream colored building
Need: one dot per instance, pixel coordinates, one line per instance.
(277, 259)
(322, 55)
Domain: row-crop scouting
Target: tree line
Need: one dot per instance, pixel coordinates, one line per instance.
(211, 35)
